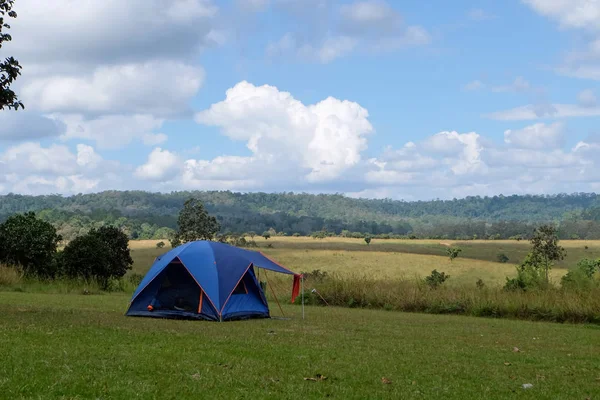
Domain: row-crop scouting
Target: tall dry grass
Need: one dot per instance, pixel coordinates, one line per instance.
(11, 279)
(557, 305)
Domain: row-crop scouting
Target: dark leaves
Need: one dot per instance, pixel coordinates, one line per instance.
(10, 68)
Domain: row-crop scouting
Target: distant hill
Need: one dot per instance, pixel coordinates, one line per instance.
(144, 213)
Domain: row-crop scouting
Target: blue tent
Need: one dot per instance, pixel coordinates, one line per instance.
(204, 280)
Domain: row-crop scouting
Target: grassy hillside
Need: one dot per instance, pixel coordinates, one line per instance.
(68, 346)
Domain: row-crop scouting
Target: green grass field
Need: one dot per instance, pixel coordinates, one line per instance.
(80, 347)
(59, 344)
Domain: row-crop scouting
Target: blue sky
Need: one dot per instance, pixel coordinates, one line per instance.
(372, 98)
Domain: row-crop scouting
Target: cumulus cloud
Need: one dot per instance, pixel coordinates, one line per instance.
(324, 138)
(538, 136)
(108, 71)
(161, 165)
(113, 131)
(474, 165)
(31, 168)
(110, 31)
(160, 88)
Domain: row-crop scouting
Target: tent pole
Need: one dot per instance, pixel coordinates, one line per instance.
(302, 285)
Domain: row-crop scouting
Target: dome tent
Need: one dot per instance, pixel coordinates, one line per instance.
(205, 280)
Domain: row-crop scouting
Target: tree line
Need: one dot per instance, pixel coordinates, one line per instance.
(144, 215)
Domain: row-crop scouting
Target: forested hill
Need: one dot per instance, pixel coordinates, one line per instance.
(302, 213)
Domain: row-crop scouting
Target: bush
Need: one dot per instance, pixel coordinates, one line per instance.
(30, 244)
(436, 279)
(103, 254)
(528, 278)
(480, 284)
(583, 276)
(453, 252)
(502, 258)
(160, 245)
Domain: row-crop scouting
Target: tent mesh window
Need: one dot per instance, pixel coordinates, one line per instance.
(240, 288)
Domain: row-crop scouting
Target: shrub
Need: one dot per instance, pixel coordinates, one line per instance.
(582, 277)
(30, 244)
(266, 235)
(368, 240)
(103, 254)
(86, 257)
(296, 234)
(502, 258)
(480, 284)
(453, 252)
(436, 279)
(529, 276)
(160, 245)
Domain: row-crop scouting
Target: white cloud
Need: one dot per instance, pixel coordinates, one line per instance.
(161, 165)
(31, 168)
(474, 85)
(109, 31)
(587, 98)
(366, 26)
(579, 14)
(538, 136)
(113, 131)
(325, 138)
(532, 112)
(30, 156)
(160, 88)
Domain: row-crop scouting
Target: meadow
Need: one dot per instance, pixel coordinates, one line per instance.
(71, 346)
(396, 259)
(57, 342)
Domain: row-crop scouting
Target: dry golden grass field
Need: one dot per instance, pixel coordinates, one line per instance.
(394, 258)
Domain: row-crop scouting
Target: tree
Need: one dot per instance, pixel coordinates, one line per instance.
(368, 240)
(10, 68)
(29, 243)
(545, 248)
(266, 235)
(252, 234)
(453, 252)
(195, 223)
(102, 254)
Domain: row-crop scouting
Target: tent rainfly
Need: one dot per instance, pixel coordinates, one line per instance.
(206, 280)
